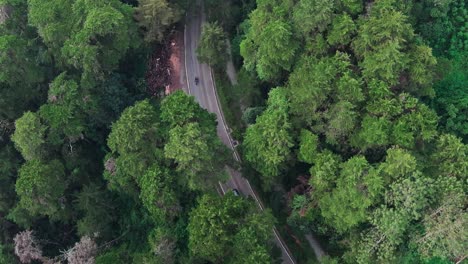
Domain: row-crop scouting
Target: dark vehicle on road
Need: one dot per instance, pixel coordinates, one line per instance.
(236, 192)
(197, 80)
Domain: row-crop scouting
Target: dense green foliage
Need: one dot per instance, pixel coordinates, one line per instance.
(370, 97)
(355, 116)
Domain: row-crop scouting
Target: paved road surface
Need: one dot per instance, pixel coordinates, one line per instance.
(205, 94)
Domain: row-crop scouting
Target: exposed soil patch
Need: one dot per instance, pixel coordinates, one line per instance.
(163, 75)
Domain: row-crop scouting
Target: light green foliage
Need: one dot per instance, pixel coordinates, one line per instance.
(62, 113)
(350, 89)
(352, 6)
(418, 125)
(179, 109)
(380, 242)
(324, 173)
(163, 245)
(195, 155)
(357, 188)
(251, 113)
(251, 242)
(52, 19)
(411, 195)
(136, 126)
(268, 142)
(157, 194)
(212, 48)
(91, 36)
(106, 20)
(308, 146)
(134, 142)
(381, 43)
(212, 223)
(445, 229)
(421, 67)
(270, 45)
(450, 157)
(193, 143)
(310, 83)
(343, 28)
(218, 225)
(41, 186)
(29, 136)
(374, 132)
(398, 164)
(155, 17)
(406, 201)
(342, 119)
(311, 15)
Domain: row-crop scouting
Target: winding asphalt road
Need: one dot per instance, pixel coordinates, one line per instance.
(205, 94)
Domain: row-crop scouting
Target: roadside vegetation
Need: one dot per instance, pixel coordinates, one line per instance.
(93, 168)
(361, 136)
(352, 118)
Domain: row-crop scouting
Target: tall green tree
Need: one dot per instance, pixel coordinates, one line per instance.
(269, 141)
(212, 48)
(29, 136)
(133, 142)
(41, 188)
(155, 17)
(218, 225)
(270, 45)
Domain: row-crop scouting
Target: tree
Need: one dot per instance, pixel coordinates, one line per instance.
(380, 43)
(217, 225)
(179, 109)
(212, 48)
(212, 225)
(450, 157)
(155, 17)
(64, 113)
(195, 155)
(357, 188)
(311, 15)
(135, 141)
(158, 195)
(308, 146)
(52, 19)
(268, 143)
(163, 244)
(29, 136)
(451, 101)
(343, 28)
(17, 67)
(445, 229)
(90, 36)
(342, 120)
(41, 187)
(270, 45)
(97, 211)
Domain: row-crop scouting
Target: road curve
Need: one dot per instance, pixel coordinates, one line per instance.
(205, 94)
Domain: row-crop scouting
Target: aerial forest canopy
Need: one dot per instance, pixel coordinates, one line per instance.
(353, 125)
(369, 101)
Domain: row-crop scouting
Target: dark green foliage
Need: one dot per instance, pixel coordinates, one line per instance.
(360, 76)
(212, 48)
(218, 225)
